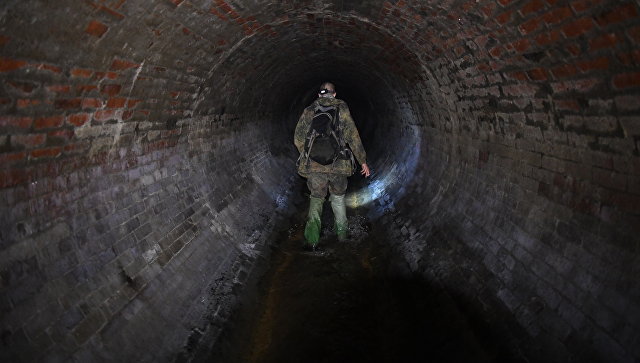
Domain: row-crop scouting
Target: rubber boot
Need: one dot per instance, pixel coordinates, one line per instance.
(340, 215)
(312, 229)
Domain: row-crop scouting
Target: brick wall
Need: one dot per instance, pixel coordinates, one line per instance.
(531, 162)
(145, 149)
(127, 220)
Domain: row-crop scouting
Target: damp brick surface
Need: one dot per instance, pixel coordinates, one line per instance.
(146, 157)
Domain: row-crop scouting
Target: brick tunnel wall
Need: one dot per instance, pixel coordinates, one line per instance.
(146, 156)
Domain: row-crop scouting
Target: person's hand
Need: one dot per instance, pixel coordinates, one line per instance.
(365, 170)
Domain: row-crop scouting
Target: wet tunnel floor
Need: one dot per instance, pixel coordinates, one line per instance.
(345, 304)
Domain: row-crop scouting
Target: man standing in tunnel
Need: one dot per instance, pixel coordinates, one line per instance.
(322, 134)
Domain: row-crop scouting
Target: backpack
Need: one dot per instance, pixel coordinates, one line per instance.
(324, 140)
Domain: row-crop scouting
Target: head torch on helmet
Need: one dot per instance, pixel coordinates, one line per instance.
(325, 91)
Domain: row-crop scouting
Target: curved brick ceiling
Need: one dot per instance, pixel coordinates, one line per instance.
(139, 139)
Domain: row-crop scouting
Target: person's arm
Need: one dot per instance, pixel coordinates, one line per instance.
(352, 137)
(301, 130)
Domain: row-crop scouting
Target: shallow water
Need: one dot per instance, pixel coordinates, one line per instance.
(348, 302)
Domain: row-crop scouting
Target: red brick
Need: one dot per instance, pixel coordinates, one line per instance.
(521, 45)
(116, 102)
(581, 85)
(504, 17)
(104, 115)
(96, 28)
(8, 64)
(48, 122)
(505, 2)
(176, 2)
(557, 15)
(105, 75)
(81, 73)
(50, 68)
(91, 103)
(532, 7)
(571, 105)
(28, 141)
(82, 88)
(521, 76)
(121, 65)
(59, 88)
(13, 177)
(627, 80)
(127, 115)
(537, 74)
(483, 67)
(548, 38)
(487, 10)
(630, 59)
(578, 27)
(496, 52)
(65, 135)
(16, 122)
(594, 64)
(529, 26)
(68, 103)
(565, 70)
(225, 7)
(118, 4)
(78, 119)
(111, 12)
(218, 14)
(111, 89)
(582, 5)
(25, 102)
(49, 152)
(621, 13)
(603, 41)
(12, 157)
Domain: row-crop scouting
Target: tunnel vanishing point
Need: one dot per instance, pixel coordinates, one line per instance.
(146, 159)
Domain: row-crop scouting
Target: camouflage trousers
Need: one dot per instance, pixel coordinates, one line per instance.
(319, 183)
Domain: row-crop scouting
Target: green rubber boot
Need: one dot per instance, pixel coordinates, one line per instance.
(312, 229)
(340, 215)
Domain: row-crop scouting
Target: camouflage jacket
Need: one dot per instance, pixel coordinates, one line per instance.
(349, 132)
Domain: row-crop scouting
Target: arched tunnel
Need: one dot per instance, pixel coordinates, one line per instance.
(149, 194)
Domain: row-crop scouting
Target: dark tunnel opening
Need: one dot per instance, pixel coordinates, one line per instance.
(148, 192)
